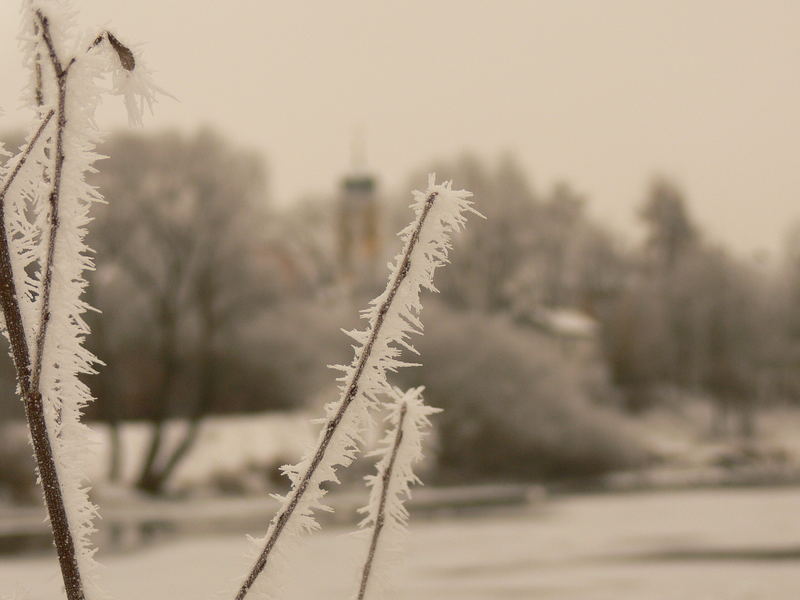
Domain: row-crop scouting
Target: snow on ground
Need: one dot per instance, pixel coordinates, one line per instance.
(695, 545)
(225, 444)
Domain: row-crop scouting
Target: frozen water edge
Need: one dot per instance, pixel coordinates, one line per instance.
(710, 544)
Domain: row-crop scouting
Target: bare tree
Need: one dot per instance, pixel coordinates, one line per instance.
(185, 245)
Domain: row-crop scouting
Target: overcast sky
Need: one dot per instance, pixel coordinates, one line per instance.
(602, 93)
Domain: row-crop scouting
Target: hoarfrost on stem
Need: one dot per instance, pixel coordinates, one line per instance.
(392, 317)
(45, 203)
(386, 515)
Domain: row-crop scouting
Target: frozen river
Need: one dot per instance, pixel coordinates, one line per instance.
(695, 545)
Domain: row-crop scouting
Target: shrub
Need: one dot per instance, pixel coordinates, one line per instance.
(514, 407)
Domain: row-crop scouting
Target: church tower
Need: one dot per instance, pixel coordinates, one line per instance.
(358, 223)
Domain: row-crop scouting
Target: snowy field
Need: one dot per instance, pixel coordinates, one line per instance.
(695, 545)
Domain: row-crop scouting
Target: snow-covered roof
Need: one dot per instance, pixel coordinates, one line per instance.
(569, 322)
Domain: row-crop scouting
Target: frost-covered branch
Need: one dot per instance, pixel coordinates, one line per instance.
(43, 314)
(20, 162)
(28, 383)
(32, 399)
(399, 450)
(61, 74)
(392, 317)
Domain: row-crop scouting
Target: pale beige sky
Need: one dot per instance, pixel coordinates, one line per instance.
(603, 93)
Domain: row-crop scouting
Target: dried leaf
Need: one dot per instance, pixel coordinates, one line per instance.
(123, 52)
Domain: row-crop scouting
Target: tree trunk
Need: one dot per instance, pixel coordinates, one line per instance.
(160, 475)
(148, 480)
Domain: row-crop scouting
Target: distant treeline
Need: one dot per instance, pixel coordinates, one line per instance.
(214, 301)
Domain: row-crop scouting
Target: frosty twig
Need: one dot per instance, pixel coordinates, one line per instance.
(352, 391)
(49, 355)
(390, 486)
(392, 316)
(380, 517)
(32, 398)
(28, 373)
(24, 157)
(55, 193)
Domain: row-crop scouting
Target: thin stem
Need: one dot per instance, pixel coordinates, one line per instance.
(44, 23)
(333, 423)
(27, 374)
(24, 157)
(32, 399)
(95, 43)
(54, 499)
(37, 70)
(381, 515)
(55, 195)
(126, 57)
(8, 289)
